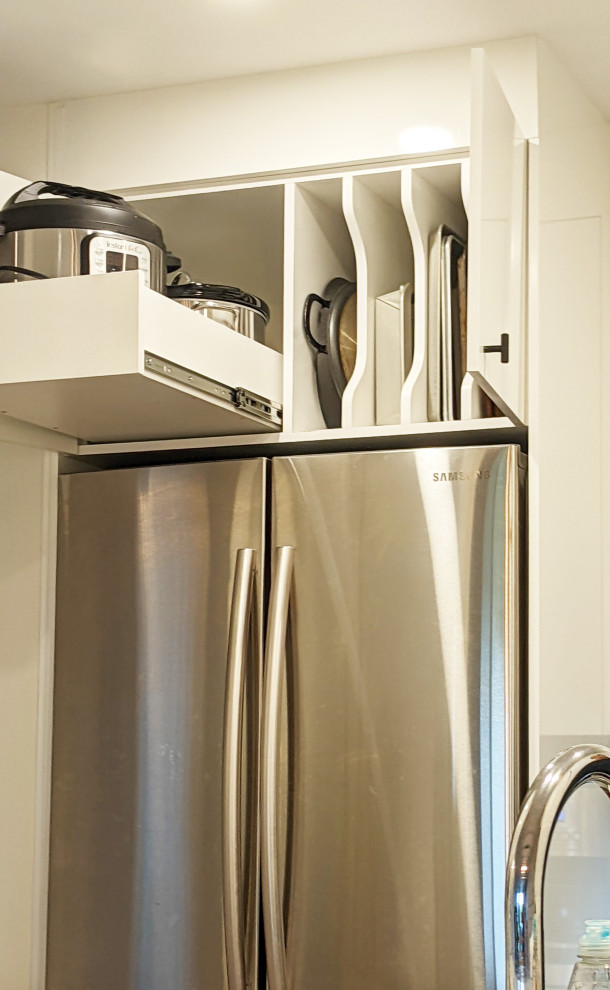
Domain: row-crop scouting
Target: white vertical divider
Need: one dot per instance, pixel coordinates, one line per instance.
(426, 207)
(384, 262)
(318, 248)
(465, 187)
(471, 398)
(471, 394)
(288, 343)
(358, 407)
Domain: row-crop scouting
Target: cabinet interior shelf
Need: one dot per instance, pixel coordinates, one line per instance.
(103, 358)
(460, 433)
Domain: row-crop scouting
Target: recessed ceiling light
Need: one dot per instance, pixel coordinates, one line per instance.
(425, 138)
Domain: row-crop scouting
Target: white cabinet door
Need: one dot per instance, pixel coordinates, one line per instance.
(497, 244)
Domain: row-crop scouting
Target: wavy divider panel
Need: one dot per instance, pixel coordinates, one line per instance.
(318, 248)
(431, 197)
(384, 262)
(472, 396)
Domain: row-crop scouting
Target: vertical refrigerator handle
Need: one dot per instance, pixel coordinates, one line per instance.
(232, 873)
(276, 646)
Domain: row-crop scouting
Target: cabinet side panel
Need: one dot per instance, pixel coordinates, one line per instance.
(27, 499)
(567, 498)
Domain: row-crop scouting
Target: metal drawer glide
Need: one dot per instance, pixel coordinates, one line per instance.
(255, 405)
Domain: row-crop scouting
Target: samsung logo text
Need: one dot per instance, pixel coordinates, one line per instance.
(460, 476)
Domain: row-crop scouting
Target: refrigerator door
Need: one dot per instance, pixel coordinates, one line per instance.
(390, 745)
(154, 790)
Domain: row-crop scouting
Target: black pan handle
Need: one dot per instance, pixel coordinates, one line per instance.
(172, 262)
(312, 298)
(36, 189)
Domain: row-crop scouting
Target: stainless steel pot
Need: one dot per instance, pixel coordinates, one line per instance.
(240, 311)
(50, 230)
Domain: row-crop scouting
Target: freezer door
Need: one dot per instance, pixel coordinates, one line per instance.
(389, 785)
(145, 708)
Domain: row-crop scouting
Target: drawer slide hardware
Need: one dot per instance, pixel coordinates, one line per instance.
(255, 405)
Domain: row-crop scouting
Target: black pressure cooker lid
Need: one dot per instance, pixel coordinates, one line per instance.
(221, 293)
(77, 208)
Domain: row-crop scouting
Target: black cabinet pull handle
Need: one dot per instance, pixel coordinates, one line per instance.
(501, 348)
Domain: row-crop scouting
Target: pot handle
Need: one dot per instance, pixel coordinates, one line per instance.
(36, 189)
(18, 270)
(173, 263)
(309, 303)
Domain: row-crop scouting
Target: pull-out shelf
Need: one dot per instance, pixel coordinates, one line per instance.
(103, 358)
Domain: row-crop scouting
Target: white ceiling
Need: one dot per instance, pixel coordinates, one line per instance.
(61, 49)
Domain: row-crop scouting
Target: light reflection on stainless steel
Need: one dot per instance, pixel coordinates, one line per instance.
(232, 770)
(555, 783)
(276, 642)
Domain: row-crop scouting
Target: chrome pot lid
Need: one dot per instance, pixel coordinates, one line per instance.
(219, 293)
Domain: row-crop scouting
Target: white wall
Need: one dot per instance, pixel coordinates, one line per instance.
(353, 111)
(268, 122)
(24, 140)
(569, 480)
(569, 367)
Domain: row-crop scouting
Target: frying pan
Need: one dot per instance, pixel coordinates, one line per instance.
(334, 343)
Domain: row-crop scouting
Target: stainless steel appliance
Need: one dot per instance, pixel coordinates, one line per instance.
(50, 229)
(226, 304)
(391, 759)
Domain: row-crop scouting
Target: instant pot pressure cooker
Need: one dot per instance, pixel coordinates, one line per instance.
(49, 229)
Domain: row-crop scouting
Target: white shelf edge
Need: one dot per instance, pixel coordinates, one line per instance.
(316, 438)
(29, 435)
(227, 183)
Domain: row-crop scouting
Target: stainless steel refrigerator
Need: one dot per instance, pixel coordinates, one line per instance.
(363, 789)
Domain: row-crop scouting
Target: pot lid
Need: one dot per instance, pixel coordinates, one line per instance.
(54, 204)
(219, 293)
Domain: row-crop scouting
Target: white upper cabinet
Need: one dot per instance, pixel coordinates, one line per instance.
(385, 223)
(497, 249)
